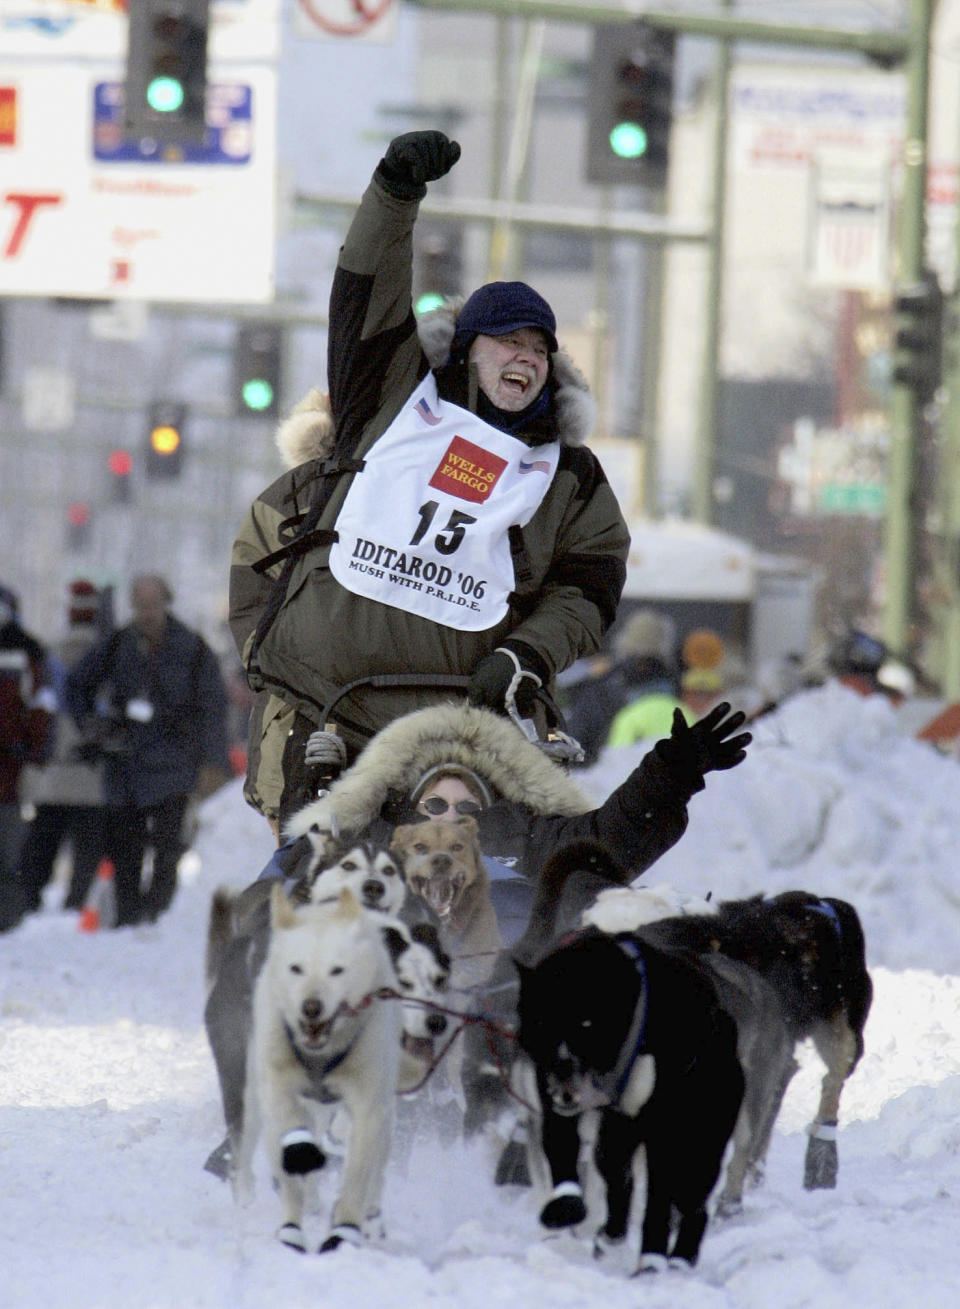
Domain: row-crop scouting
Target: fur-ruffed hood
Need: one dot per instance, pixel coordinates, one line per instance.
(398, 755)
(307, 432)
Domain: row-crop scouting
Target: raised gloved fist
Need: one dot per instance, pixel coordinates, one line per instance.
(706, 746)
(414, 159)
(500, 677)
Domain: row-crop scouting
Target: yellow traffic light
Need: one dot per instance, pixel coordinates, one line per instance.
(165, 440)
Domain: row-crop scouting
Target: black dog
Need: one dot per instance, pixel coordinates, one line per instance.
(812, 952)
(569, 881)
(616, 1024)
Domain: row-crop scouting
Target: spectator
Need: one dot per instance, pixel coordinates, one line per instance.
(27, 703)
(702, 682)
(67, 792)
(502, 557)
(638, 693)
(152, 698)
(856, 659)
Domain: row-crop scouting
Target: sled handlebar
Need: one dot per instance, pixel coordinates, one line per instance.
(558, 744)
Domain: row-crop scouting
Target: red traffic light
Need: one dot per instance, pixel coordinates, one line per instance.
(78, 514)
(120, 463)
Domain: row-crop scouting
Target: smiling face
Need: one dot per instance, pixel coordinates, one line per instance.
(454, 791)
(512, 369)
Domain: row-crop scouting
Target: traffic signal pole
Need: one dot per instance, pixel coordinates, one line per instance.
(708, 424)
(948, 551)
(906, 417)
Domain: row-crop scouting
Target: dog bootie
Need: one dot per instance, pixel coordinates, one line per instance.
(342, 1234)
(565, 1208)
(821, 1163)
(301, 1154)
(512, 1167)
(220, 1161)
(292, 1237)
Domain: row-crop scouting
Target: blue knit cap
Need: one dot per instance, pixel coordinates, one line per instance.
(502, 307)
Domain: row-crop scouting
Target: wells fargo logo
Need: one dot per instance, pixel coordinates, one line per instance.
(468, 471)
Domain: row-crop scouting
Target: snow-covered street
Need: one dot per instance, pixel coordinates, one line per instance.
(109, 1102)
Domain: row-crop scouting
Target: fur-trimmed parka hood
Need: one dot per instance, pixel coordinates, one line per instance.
(307, 432)
(397, 757)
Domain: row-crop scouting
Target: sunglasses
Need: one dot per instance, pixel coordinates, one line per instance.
(435, 804)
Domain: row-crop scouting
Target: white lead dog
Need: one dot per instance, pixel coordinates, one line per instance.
(322, 1033)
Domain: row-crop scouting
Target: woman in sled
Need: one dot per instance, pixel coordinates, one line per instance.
(455, 761)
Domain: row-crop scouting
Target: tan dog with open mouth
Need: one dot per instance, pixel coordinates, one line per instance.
(444, 866)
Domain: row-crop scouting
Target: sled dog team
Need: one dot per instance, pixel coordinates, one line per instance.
(660, 1022)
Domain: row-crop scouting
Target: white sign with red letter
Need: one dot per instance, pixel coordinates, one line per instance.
(86, 211)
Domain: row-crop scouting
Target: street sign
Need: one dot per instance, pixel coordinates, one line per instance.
(228, 138)
(335, 20)
(849, 237)
(86, 213)
(862, 498)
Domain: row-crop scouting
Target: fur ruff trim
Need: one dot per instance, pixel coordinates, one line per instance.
(307, 433)
(398, 755)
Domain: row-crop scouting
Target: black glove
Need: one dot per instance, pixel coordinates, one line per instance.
(689, 752)
(413, 160)
(500, 675)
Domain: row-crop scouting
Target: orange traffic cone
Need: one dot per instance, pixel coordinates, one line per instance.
(100, 909)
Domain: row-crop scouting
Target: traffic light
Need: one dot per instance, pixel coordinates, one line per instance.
(918, 337)
(120, 464)
(438, 266)
(166, 74)
(258, 365)
(629, 105)
(164, 444)
(78, 526)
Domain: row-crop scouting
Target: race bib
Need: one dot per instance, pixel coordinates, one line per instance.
(424, 527)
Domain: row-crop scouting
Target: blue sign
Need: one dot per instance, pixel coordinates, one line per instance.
(228, 138)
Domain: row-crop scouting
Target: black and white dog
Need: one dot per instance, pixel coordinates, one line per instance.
(614, 1024)
(787, 967)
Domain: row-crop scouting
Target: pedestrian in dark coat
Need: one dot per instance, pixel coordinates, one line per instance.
(27, 703)
(66, 793)
(155, 698)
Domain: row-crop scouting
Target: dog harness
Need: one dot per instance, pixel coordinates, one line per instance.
(828, 911)
(318, 1067)
(614, 1083)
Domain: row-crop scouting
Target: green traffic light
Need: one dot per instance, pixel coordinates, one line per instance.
(257, 394)
(427, 302)
(165, 94)
(628, 141)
